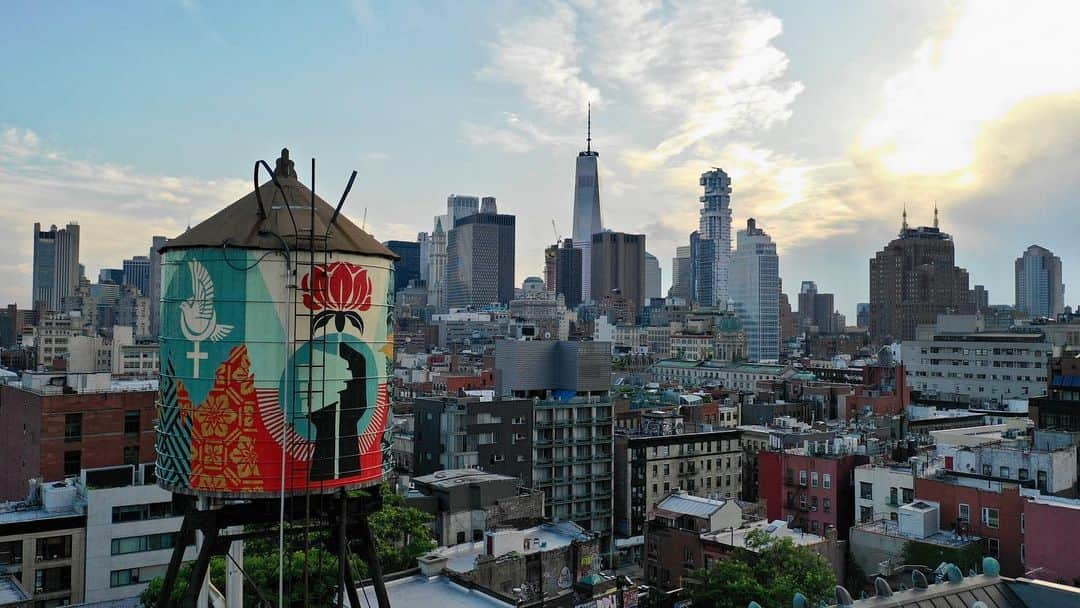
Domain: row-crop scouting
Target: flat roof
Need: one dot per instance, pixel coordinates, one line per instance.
(776, 529)
(462, 557)
(456, 477)
(438, 591)
(11, 592)
(686, 504)
(942, 538)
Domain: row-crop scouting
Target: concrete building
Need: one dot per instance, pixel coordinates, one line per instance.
(754, 284)
(880, 490)
(131, 527)
(569, 385)
(710, 245)
(137, 273)
(1059, 408)
(436, 265)
(877, 545)
(650, 467)
(680, 274)
(586, 213)
(954, 361)
(673, 546)
(653, 277)
(466, 502)
(56, 265)
(562, 263)
(43, 543)
(1046, 463)
(480, 260)
(468, 433)
(913, 280)
(1039, 289)
(618, 267)
(55, 425)
(733, 376)
(52, 336)
(406, 269)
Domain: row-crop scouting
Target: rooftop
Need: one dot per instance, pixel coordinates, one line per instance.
(942, 538)
(462, 557)
(775, 529)
(11, 592)
(686, 504)
(438, 591)
(459, 477)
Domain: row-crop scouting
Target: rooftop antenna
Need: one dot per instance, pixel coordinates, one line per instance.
(588, 128)
(903, 226)
(935, 215)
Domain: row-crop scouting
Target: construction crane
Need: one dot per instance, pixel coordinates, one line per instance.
(558, 237)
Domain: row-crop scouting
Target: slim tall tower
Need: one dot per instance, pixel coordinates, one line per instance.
(1039, 290)
(587, 221)
(713, 252)
(755, 287)
(56, 264)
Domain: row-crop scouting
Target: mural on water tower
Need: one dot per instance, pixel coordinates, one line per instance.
(258, 376)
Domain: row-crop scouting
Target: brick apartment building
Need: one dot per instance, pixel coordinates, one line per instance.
(54, 425)
(810, 489)
(984, 507)
(673, 544)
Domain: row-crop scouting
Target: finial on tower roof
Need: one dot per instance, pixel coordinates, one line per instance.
(935, 215)
(903, 225)
(284, 166)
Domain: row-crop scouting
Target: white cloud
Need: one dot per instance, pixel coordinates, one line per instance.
(540, 56)
(118, 208)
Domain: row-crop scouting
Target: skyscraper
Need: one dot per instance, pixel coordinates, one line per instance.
(1039, 290)
(56, 264)
(618, 267)
(459, 206)
(480, 260)
(816, 309)
(436, 284)
(653, 277)
(137, 273)
(587, 220)
(408, 267)
(755, 289)
(563, 271)
(155, 284)
(712, 256)
(980, 297)
(913, 280)
(680, 273)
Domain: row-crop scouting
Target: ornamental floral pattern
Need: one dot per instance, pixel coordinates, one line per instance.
(338, 291)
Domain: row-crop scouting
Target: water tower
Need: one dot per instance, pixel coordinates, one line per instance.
(276, 352)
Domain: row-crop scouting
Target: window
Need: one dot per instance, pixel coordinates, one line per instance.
(688, 556)
(137, 544)
(813, 479)
(460, 538)
(826, 481)
(1005, 472)
(1023, 554)
(1041, 481)
(990, 517)
(53, 547)
(667, 469)
(11, 552)
(866, 490)
(72, 428)
(802, 478)
(131, 422)
(965, 513)
(123, 578)
(987, 470)
(909, 495)
(131, 454)
(1021, 523)
(72, 462)
(993, 547)
(50, 580)
(866, 514)
(153, 510)
(826, 504)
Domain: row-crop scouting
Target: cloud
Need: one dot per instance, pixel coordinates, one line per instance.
(540, 56)
(376, 156)
(118, 208)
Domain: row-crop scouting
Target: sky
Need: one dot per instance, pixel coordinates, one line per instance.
(138, 118)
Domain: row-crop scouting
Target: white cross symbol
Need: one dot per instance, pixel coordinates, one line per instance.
(195, 357)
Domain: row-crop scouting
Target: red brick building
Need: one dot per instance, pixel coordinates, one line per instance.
(884, 392)
(811, 491)
(982, 507)
(50, 430)
(484, 380)
(1051, 536)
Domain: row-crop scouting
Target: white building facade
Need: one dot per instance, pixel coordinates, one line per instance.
(755, 289)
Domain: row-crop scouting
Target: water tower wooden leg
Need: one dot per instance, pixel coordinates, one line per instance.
(177, 559)
(371, 556)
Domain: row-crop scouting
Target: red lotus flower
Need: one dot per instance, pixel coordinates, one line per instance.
(338, 290)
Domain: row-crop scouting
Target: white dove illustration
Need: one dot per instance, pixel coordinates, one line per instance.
(197, 315)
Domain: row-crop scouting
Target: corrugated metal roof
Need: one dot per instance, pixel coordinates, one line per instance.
(684, 504)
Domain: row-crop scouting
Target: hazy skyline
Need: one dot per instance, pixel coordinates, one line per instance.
(136, 119)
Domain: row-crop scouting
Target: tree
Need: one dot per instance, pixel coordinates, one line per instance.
(770, 571)
(400, 534)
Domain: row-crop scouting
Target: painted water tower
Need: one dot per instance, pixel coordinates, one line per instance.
(276, 349)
